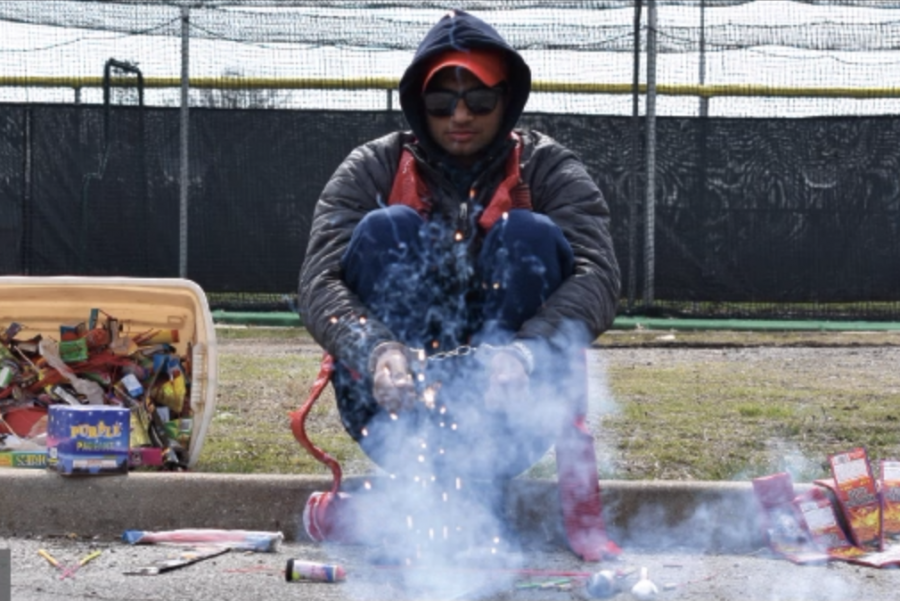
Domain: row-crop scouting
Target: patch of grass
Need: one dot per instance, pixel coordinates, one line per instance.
(257, 391)
(714, 421)
(764, 411)
(706, 417)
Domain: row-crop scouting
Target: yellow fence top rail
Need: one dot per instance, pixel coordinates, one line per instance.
(389, 83)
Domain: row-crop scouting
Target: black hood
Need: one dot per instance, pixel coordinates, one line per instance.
(458, 30)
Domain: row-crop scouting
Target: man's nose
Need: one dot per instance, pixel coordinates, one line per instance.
(461, 111)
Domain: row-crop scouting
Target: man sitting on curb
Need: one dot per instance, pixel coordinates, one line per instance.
(457, 272)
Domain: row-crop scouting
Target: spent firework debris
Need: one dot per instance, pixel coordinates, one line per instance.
(50, 559)
(183, 559)
(298, 570)
(602, 584)
(644, 589)
(250, 540)
(70, 571)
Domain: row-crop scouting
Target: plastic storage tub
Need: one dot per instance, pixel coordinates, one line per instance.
(42, 304)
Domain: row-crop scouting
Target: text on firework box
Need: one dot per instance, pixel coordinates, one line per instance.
(88, 439)
(857, 496)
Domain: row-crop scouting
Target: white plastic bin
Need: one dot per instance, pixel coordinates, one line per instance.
(42, 304)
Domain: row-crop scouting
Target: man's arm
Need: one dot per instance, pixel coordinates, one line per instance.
(563, 190)
(334, 316)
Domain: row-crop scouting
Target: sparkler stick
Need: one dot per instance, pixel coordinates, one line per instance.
(70, 571)
(50, 559)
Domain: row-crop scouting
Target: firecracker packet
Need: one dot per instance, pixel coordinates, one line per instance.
(857, 496)
(890, 501)
(782, 521)
(888, 556)
(818, 515)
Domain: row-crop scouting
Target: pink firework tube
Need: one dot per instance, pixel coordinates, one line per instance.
(247, 540)
(299, 570)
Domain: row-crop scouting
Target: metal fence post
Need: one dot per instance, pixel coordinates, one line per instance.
(650, 192)
(704, 100)
(184, 140)
(635, 154)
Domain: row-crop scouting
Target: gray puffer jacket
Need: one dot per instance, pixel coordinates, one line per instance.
(560, 188)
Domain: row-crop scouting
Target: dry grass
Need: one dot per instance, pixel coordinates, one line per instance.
(681, 405)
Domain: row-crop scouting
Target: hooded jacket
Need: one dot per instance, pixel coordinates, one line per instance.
(560, 188)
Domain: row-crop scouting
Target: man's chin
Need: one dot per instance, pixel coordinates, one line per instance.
(464, 153)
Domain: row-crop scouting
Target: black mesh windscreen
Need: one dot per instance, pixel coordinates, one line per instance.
(775, 217)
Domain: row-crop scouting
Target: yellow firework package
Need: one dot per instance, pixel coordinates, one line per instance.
(857, 496)
(818, 514)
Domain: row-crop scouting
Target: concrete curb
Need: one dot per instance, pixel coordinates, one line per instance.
(709, 516)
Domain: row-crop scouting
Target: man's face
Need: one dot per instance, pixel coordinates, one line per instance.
(463, 133)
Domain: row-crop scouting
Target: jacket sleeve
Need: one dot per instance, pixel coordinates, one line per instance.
(332, 313)
(585, 304)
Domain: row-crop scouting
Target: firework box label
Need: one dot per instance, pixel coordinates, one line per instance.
(854, 487)
(890, 499)
(88, 439)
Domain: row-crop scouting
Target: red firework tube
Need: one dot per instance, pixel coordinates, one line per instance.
(299, 570)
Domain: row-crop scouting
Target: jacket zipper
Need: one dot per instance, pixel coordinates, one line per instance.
(463, 222)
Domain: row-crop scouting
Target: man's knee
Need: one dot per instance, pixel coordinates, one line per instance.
(389, 226)
(383, 237)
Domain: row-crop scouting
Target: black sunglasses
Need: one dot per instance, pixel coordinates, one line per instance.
(481, 101)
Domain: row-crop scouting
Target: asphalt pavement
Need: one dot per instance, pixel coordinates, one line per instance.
(547, 575)
(698, 540)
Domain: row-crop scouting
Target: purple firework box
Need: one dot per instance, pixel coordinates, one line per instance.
(88, 439)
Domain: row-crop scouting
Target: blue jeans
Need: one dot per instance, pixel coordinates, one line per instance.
(438, 294)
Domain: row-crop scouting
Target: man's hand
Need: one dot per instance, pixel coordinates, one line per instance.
(392, 382)
(508, 382)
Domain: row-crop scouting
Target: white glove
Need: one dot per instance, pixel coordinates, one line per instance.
(392, 382)
(508, 381)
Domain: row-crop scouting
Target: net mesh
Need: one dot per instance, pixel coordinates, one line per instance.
(780, 201)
